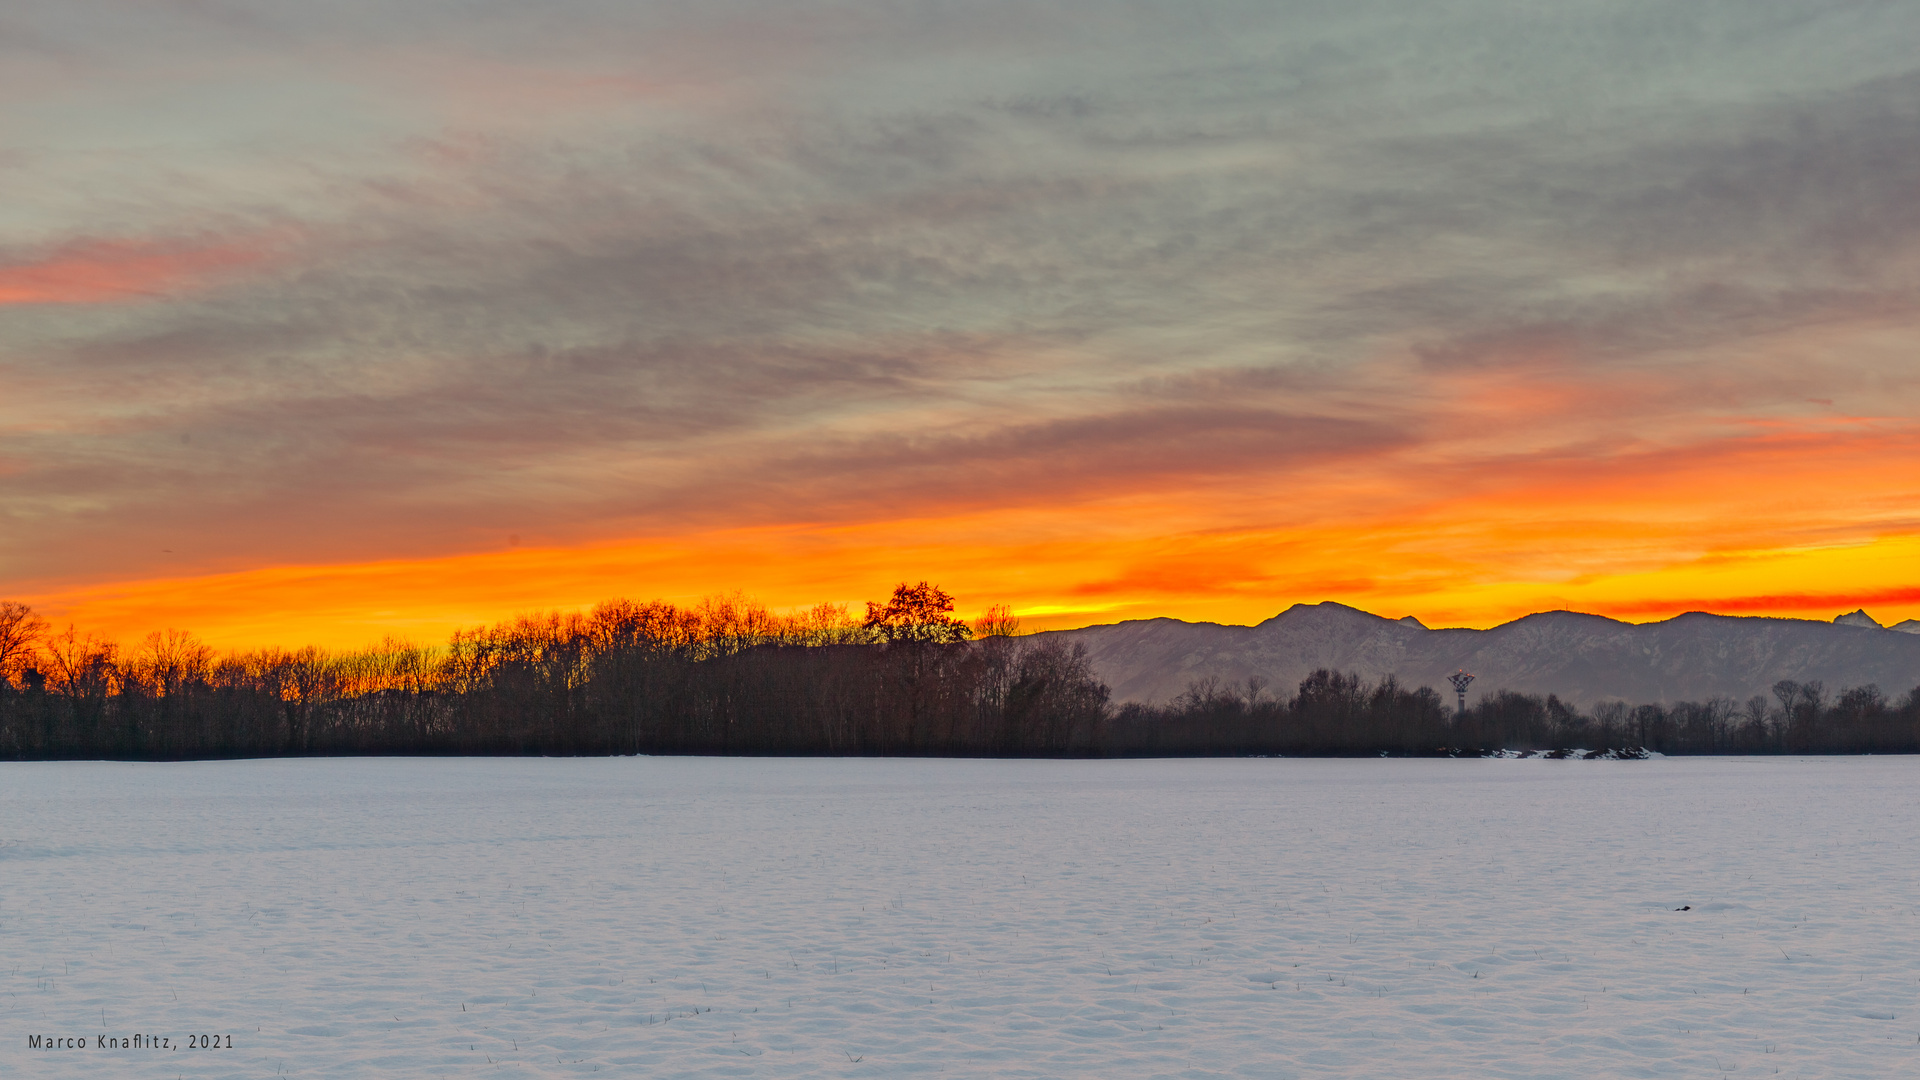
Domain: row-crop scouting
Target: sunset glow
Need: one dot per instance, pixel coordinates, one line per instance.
(318, 332)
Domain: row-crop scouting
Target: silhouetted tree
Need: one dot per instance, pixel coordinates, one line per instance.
(917, 613)
(20, 634)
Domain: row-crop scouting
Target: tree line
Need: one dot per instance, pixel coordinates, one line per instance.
(730, 676)
(1336, 713)
(725, 676)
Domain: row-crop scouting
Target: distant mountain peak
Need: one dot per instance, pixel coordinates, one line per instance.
(1328, 609)
(1411, 621)
(1908, 626)
(1563, 615)
(1858, 618)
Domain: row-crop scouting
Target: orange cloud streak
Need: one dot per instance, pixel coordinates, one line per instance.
(106, 271)
(1776, 604)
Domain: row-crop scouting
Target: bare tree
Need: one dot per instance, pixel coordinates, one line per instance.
(168, 660)
(1788, 692)
(997, 622)
(20, 634)
(83, 665)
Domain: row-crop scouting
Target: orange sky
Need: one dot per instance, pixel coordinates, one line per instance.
(352, 605)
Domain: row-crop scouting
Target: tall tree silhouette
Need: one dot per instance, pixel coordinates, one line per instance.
(20, 634)
(918, 613)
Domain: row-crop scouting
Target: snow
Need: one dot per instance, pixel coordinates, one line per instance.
(667, 917)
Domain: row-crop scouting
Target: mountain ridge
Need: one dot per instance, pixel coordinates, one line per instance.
(1582, 657)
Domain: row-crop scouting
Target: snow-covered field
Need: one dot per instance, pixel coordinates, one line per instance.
(883, 918)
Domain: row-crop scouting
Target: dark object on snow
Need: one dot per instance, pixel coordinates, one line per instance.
(1684, 907)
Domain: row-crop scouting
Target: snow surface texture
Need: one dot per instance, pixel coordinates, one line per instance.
(884, 918)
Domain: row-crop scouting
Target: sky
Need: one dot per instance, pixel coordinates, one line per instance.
(327, 321)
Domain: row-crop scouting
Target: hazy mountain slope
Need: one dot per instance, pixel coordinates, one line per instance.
(1583, 658)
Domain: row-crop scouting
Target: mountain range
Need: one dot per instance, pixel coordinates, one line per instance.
(1585, 659)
